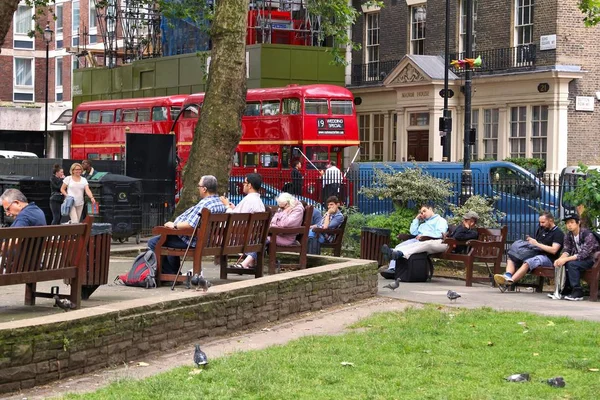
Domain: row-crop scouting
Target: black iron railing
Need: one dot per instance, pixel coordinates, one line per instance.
(372, 73)
(501, 60)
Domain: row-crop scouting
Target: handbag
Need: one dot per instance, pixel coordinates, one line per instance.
(93, 208)
(522, 250)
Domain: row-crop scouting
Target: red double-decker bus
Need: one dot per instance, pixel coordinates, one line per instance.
(280, 126)
(98, 131)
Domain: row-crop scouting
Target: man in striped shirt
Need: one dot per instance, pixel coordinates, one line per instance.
(190, 218)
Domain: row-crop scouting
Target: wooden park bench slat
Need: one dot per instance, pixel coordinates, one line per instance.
(591, 276)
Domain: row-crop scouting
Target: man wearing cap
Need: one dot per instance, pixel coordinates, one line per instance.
(465, 231)
(579, 248)
(548, 239)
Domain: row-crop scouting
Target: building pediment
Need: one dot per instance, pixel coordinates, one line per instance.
(415, 69)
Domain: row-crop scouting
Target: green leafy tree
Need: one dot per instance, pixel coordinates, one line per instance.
(586, 196)
(409, 188)
(489, 216)
(591, 11)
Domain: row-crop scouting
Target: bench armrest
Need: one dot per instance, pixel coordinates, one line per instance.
(335, 231)
(481, 244)
(286, 231)
(404, 236)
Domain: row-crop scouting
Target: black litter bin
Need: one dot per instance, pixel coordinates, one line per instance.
(98, 257)
(119, 198)
(371, 240)
(36, 189)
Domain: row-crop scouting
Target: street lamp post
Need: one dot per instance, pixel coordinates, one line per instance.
(47, 38)
(446, 125)
(466, 176)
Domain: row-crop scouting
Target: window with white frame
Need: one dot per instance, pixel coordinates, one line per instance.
(539, 132)
(394, 137)
(475, 124)
(23, 24)
(75, 24)
(93, 22)
(418, 16)
(372, 45)
(463, 26)
(523, 22)
(23, 79)
(59, 79)
(518, 132)
(378, 133)
(58, 25)
(491, 116)
(364, 133)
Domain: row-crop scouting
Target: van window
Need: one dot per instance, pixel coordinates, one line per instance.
(94, 117)
(81, 117)
(291, 106)
(252, 109)
(143, 115)
(513, 183)
(341, 107)
(159, 113)
(315, 106)
(107, 117)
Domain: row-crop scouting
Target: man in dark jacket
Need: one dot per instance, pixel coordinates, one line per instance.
(297, 179)
(578, 255)
(15, 205)
(466, 230)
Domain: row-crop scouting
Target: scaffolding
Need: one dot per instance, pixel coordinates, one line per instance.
(140, 22)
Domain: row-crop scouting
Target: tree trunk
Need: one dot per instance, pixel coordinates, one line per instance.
(219, 128)
(7, 10)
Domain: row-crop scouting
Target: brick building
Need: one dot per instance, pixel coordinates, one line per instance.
(535, 95)
(23, 64)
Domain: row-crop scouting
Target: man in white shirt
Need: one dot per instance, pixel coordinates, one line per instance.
(251, 203)
(332, 180)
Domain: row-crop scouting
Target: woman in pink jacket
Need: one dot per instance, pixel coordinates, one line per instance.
(289, 215)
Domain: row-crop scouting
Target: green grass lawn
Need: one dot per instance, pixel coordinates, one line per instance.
(417, 354)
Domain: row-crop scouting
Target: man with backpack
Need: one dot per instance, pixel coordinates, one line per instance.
(190, 218)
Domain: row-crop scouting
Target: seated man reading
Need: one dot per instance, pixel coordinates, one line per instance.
(548, 239)
(190, 218)
(428, 229)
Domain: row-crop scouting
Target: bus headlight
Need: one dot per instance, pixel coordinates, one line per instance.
(311, 189)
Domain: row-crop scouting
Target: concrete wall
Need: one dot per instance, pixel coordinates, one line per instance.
(40, 350)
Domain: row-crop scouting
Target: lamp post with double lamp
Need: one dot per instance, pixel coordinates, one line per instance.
(466, 176)
(47, 38)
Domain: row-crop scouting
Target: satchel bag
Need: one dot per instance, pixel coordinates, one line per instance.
(522, 250)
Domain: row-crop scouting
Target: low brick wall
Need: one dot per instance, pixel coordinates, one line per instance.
(44, 349)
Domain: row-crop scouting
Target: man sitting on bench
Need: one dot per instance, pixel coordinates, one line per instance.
(428, 229)
(548, 238)
(15, 205)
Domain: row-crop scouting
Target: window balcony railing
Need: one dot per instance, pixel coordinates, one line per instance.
(501, 60)
(372, 73)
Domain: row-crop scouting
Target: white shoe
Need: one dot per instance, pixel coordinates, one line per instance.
(571, 298)
(554, 296)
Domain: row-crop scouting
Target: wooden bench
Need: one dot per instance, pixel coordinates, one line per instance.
(218, 235)
(45, 253)
(338, 234)
(591, 276)
(300, 246)
(487, 248)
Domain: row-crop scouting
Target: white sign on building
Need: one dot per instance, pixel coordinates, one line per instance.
(548, 42)
(584, 103)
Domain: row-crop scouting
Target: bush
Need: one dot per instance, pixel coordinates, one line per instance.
(410, 188)
(489, 217)
(586, 196)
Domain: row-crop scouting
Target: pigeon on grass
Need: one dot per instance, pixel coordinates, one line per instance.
(64, 304)
(394, 285)
(557, 382)
(452, 295)
(518, 378)
(200, 358)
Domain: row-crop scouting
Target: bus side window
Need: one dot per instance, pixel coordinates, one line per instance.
(128, 115)
(315, 106)
(269, 160)
(159, 113)
(252, 109)
(291, 106)
(174, 112)
(143, 115)
(191, 111)
(236, 159)
(250, 159)
(341, 107)
(285, 156)
(107, 117)
(119, 115)
(270, 107)
(94, 117)
(81, 117)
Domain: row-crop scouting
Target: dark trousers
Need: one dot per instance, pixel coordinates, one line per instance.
(55, 208)
(574, 269)
(170, 264)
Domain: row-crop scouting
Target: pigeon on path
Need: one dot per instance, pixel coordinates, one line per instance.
(394, 285)
(200, 357)
(518, 378)
(203, 283)
(556, 382)
(64, 304)
(452, 295)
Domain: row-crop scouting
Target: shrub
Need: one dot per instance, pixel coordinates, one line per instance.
(489, 217)
(586, 196)
(409, 188)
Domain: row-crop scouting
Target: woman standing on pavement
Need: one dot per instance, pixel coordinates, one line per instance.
(75, 186)
(56, 197)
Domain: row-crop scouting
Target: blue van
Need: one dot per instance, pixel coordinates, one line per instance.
(521, 195)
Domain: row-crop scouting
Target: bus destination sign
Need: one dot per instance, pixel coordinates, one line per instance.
(330, 126)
